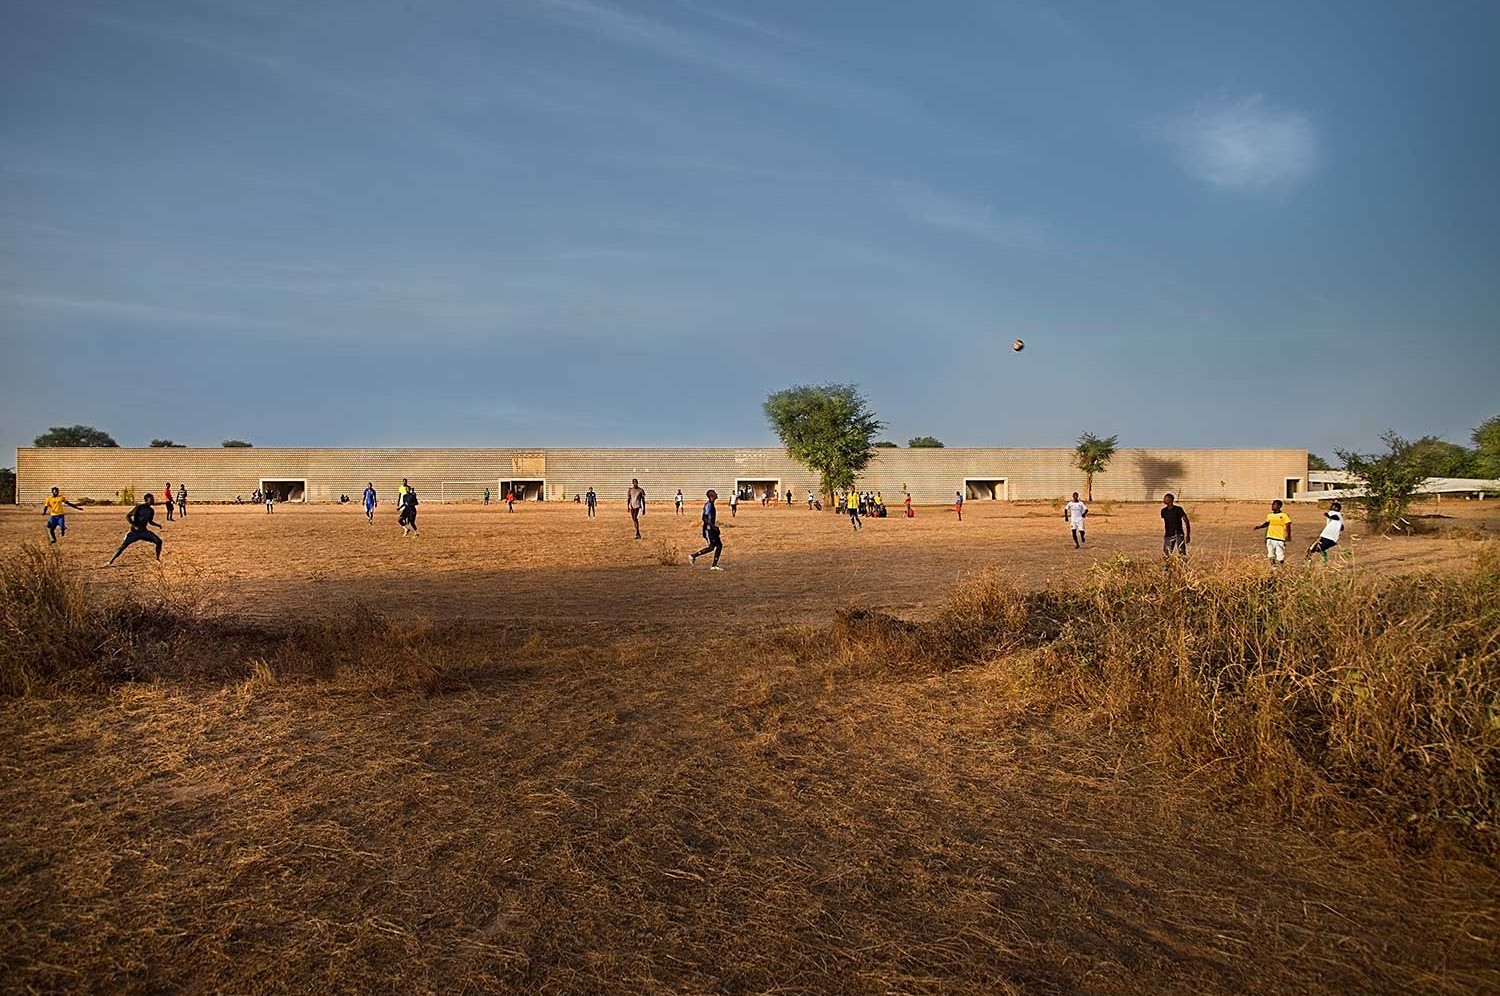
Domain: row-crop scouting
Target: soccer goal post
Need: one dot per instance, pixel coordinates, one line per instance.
(451, 491)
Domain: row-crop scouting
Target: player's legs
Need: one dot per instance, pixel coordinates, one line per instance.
(635, 518)
(52, 524)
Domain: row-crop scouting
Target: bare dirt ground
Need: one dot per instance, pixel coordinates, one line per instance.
(548, 563)
(646, 782)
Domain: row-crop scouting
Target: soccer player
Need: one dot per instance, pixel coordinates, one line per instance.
(1075, 512)
(270, 501)
(142, 520)
(734, 503)
(1278, 527)
(591, 501)
(486, 496)
(1179, 529)
(1333, 528)
(811, 498)
(166, 499)
(710, 533)
(958, 504)
(510, 500)
(679, 501)
(910, 514)
(57, 519)
(182, 499)
(635, 500)
(851, 502)
(371, 501)
(788, 497)
(407, 518)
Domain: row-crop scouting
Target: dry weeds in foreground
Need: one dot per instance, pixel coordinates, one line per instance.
(880, 807)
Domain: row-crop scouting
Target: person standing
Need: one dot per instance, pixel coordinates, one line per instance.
(910, 513)
(678, 500)
(851, 503)
(270, 501)
(1333, 529)
(635, 500)
(57, 519)
(371, 501)
(788, 497)
(407, 518)
(1278, 527)
(166, 499)
(591, 501)
(811, 499)
(142, 520)
(734, 503)
(486, 496)
(182, 499)
(1075, 512)
(958, 504)
(1178, 528)
(711, 536)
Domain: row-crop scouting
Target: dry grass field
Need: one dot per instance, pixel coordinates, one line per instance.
(525, 753)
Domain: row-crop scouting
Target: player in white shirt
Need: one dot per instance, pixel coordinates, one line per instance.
(1075, 512)
(1333, 529)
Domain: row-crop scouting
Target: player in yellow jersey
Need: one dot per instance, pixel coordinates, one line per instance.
(1278, 527)
(57, 519)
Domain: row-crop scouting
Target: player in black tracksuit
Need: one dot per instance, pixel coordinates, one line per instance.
(710, 533)
(408, 516)
(142, 520)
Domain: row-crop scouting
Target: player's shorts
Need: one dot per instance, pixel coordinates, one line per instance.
(1076, 526)
(53, 521)
(1324, 544)
(1174, 544)
(1276, 550)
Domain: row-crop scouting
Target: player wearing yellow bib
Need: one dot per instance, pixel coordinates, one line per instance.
(57, 519)
(1278, 527)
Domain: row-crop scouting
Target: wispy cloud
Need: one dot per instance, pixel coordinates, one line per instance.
(961, 217)
(1244, 143)
(736, 60)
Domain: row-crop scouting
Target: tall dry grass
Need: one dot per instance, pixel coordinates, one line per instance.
(1372, 700)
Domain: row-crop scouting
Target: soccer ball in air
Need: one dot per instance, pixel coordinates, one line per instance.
(1018, 345)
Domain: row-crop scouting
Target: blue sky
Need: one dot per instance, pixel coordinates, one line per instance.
(552, 222)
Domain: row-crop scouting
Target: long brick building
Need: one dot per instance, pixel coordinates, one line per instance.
(930, 475)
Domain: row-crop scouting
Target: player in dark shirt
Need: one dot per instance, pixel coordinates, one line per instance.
(710, 533)
(408, 516)
(142, 520)
(1179, 528)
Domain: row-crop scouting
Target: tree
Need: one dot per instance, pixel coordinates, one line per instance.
(1436, 457)
(830, 428)
(1487, 446)
(886, 444)
(236, 444)
(1315, 462)
(1092, 456)
(158, 444)
(1389, 481)
(925, 443)
(7, 486)
(74, 435)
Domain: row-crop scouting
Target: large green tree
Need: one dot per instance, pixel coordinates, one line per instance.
(924, 443)
(1388, 481)
(236, 444)
(886, 444)
(1315, 462)
(7, 486)
(1436, 457)
(74, 435)
(828, 427)
(1092, 456)
(1487, 447)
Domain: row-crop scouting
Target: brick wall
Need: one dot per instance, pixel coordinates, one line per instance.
(931, 475)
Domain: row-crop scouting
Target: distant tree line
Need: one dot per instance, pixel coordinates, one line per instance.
(87, 435)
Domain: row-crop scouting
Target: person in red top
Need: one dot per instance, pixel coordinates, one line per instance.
(167, 500)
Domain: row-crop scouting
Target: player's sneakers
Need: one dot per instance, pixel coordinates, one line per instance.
(692, 560)
(716, 567)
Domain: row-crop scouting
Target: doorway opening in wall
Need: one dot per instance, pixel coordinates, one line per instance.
(756, 488)
(532, 489)
(984, 489)
(1293, 485)
(285, 488)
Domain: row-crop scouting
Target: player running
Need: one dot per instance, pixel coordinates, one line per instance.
(57, 519)
(1278, 527)
(710, 533)
(635, 500)
(372, 500)
(1075, 512)
(1178, 527)
(851, 503)
(142, 520)
(407, 518)
(1333, 529)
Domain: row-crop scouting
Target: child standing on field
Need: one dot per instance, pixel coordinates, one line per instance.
(1278, 527)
